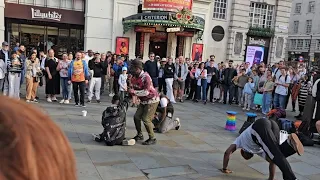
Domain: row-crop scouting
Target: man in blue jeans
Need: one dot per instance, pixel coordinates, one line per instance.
(281, 92)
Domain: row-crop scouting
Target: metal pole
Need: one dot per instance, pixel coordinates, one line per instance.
(309, 52)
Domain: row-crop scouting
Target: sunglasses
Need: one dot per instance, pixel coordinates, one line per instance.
(151, 56)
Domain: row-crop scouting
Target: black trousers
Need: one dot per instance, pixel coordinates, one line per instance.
(230, 89)
(193, 90)
(211, 85)
(162, 85)
(266, 134)
(116, 85)
(76, 87)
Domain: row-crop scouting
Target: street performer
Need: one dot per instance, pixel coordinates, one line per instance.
(262, 138)
(141, 86)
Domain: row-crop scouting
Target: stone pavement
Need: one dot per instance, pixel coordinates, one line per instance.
(194, 152)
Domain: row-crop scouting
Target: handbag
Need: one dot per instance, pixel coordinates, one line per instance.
(283, 136)
(258, 99)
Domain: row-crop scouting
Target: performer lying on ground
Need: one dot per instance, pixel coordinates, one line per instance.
(262, 138)
(163, 121)
(114, 125)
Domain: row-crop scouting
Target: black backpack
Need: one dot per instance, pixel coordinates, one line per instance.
(114, 124)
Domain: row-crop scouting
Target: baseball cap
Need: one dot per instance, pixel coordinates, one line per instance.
(124, 69)
(4, 43)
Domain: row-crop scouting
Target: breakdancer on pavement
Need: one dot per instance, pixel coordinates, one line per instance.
(262, 138)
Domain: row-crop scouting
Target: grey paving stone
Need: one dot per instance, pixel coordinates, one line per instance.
(168, 171)
(86, 170)
(119, 171)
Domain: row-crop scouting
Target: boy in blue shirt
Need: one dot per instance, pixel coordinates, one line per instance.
(248, 92)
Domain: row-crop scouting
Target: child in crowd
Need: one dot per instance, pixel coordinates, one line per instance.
(123, 83)
(268, 88)
(248, 92)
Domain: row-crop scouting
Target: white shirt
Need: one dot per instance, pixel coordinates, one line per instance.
(245, 142)
(164, 102)
(123, 82)
(315, 88)
(281, 89)
(198, 74)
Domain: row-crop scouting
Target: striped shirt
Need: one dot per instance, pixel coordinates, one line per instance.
(15, 68)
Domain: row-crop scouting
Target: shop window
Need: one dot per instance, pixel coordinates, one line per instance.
(293, 44)
(29, 2)
(14, 35)
(13, 1)
(308, 26)
(66, 4)
(261, 15)
(40, 2)
(306, 44)
(53, 3)
(32, 36)
(298, 8)
(238, 43)
(217, 33)
(279, 49)
(220, 9)
(300, 44)
(78, 5)
(295, 26)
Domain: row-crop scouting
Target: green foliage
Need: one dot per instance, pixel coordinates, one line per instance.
(261, 32)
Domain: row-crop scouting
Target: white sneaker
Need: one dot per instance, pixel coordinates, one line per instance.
(62, 101)
(54, 99)
(27, 101)
(49, 100)
(66, 102)
(248, 109)
(110, 95)
(244, 108)
(179, 124)
(130, 142)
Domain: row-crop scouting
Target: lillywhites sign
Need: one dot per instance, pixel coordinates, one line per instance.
(51, 15)
(259, 42)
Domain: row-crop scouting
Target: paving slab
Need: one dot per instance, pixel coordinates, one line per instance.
(168, 171)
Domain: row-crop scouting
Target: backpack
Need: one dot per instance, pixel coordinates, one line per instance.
(285, 79)
(114, 124)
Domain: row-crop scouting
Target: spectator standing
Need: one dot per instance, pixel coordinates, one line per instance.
(32, 77)
(22, 56)
(268, 88)
(201, 76)
(228, 74)
(293, 89)
(16, 48)
(180, 75)
(151, 67)
(242, 80)
(53, 77)
(161, 79)
(96, 67)
(193, 82)
(5, 55)
(78, 75)
(63, 68)
(212, 79)
(305, 86)
(70, 58)
(110, 75)
(123, 83)
(221, 83)
(15, 67)
(281, 92)
(247, 93)
(117, 68)
(104, 64)
(169, 70)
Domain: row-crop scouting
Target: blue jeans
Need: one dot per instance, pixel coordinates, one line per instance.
(65, 87)
(266, 102)
(279, 101)
(204, 84)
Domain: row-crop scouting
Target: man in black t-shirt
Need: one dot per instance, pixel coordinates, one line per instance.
(227, 76)
(212, 78)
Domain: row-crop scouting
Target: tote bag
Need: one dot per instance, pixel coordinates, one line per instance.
(258, 99)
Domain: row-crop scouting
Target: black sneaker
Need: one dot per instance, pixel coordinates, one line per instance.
(82, 105)
(89, 101)
(98, 101)
(76, 105)
(138, 138)
(150, 141)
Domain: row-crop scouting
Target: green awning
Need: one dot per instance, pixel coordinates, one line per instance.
(169, 19)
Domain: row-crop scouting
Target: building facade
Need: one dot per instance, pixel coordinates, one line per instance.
(304, 32)
(229, 29)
